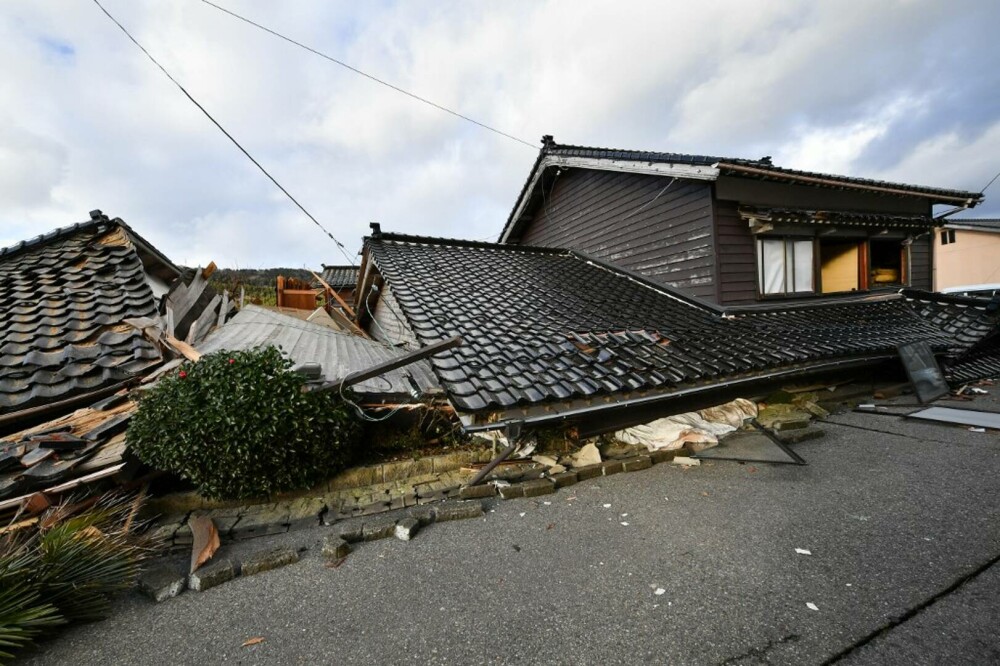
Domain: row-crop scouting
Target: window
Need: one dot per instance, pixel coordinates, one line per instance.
(785, 266)
(947, 236)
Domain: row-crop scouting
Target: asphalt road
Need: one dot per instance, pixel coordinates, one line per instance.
(901, 520)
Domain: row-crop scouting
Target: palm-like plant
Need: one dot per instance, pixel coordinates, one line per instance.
(66, 567)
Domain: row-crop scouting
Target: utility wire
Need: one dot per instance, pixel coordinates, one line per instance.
(992, 180)
(222, 129)
(369, 76)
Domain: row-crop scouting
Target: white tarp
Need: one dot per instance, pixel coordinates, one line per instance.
(704, 427)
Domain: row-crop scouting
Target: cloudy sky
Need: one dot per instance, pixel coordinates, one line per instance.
(899, 90)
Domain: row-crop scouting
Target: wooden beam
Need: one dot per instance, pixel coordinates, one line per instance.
(207, 272)
(346, 323)
(183, 348)
(347, 308)
(404, 360)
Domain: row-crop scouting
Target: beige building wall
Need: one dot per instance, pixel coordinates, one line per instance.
(974, 258)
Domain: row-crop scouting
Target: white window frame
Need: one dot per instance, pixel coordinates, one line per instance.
(790, 247)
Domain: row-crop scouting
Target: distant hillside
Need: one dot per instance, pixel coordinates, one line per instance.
(259, 277)
(258, 284)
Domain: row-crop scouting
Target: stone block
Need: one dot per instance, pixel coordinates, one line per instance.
(450, 461)
(182, 536)
(610, 467)
(260, 523)
(589, 472)
(791, 423)
(665, 455)
(266, 560)
(407, 528)
(423, 514)
(374, 508)
(306, 507)
(357, 477)
(636, 463)
(458, 511)
(378, 529)
(511, 491)
(406, 469)
(538, 487)
(564, 479)
(211, 575)
(476, 492)
(800, 435)
(162, 582)
(430, 496)
(349, 530)
(335, 548)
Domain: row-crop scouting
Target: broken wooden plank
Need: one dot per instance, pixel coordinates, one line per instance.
(69, 485)
(207, 273)
(183, 348)
(203, 324)
(223, 308)
(341, 319)
(329, 290)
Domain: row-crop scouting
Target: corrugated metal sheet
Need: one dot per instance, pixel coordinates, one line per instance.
(304, 342)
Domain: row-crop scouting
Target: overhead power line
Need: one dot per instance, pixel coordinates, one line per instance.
(229, 136)
(371, 77)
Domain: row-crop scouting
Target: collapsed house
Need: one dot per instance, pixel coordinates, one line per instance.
(77, 309)
(554, 334)
(731, 231)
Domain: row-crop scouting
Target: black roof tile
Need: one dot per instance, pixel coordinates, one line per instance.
(566, 326)
(63, 298)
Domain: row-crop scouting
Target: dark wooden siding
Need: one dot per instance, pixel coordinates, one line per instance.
(921, 273)
(613, 216)
(737, 256)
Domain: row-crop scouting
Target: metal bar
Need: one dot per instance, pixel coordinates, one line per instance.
(405, 359)
(799, 460)
(492, 464)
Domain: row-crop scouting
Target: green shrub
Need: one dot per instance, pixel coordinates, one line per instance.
(239, 425)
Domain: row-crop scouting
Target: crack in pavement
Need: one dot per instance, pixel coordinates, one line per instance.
(914, 611)
(759, 652)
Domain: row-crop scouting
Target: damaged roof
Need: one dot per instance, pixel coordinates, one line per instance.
(709, 167)
(546, 325)
(63, 299)
(305, 342)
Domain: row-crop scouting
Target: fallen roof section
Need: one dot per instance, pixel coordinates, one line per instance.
(340, 277)
(63, 299)
(339, 353)
(553, 328)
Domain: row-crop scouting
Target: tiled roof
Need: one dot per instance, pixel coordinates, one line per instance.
(63, 297)
(735, 166)
(839, 218)
(340, 277)
(305, 342)
(726, 165)
(547, 325)
(973, 223)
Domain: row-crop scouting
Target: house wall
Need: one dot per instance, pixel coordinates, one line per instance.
(388, 325)
(974, 258)
(618, 217)
(921, 269)
(737, 256)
